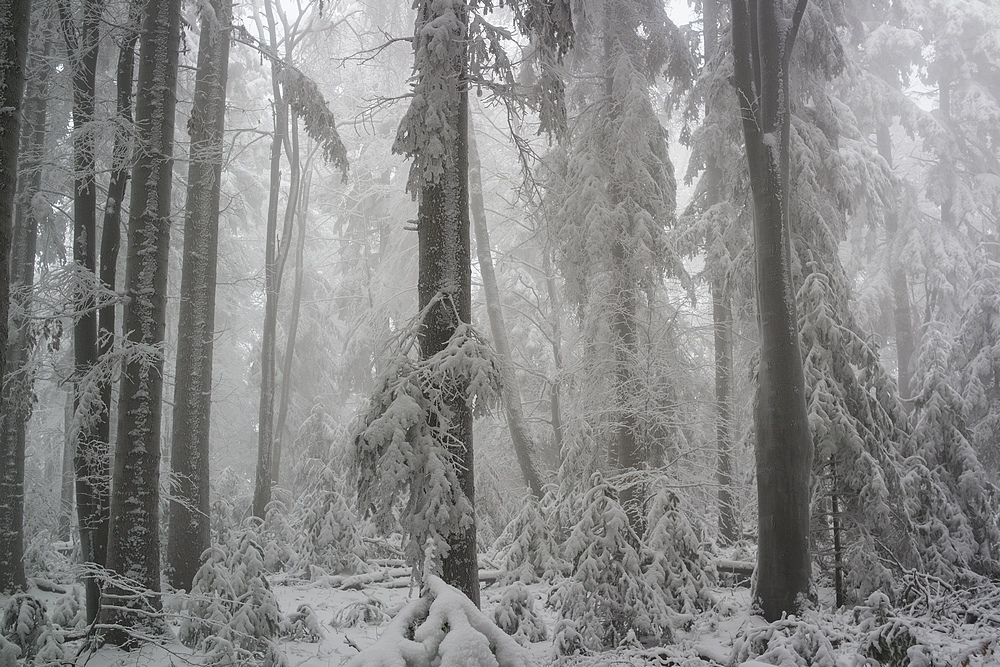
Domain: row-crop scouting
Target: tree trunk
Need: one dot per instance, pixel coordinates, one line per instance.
(762, 45)
(523, 446)
(265, 420)
(134, 542)
(555, 386)
(91, 456)
(293, 323)
(111, 230)
(902, 312)
(291, 209)
(190, 526)
(722, 319)
(68, 470)
(838, 548)
(16, 385)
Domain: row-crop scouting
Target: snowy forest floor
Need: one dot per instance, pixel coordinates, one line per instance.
(354, 611)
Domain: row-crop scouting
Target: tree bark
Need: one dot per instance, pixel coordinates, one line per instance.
(68, 470)
(111, 229)
(902, 311)
(523, 446)
(762, 43)
(265, 420)
(82, 46)
(722, 319)
(18, 275)
(134, 542)
(293, 322)
(190, 526)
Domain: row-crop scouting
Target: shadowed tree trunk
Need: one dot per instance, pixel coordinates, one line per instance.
(763, 39)
(722, 320)
(111, 230)
(16, 272)
(523, 446)
(91, 455)
(68, 470)
(190, 526)
(134, 541)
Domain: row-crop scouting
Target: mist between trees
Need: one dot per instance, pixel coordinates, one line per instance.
(582, 315)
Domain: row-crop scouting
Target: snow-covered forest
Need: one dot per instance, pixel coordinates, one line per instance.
(475, 333)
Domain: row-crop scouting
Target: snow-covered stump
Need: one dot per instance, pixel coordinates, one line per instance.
(444, 628)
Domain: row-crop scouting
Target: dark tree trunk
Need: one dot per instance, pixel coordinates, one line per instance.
(838, 547)
(134, 541)
(902, 312)
(445, 276)
(15, 387)
(91, 455)
(190, 526)
(68, 470)
(265, 420)
(762, 45)
(111, 230)
(523, 446)
(555, 387)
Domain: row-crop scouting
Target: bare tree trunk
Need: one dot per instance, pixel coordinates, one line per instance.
(134, 540)
(722, 320)
(762, 44)
(265, 420)
(91, 456)
(293, 321)
(555, 387)
(902, 311)
(17, 279)
(523, 446)
(190, 525)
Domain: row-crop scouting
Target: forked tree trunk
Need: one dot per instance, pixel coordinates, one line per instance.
(111, 230)
(521, 439)
(190, 525)
(134, 540)
(15, 404)
(91, 456)
(762, 44)
(293, 321)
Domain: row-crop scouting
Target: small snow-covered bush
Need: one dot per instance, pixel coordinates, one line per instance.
(68, 612)
(442, 627)
(302, 625)
(516, 615)
(9, 653)
(328, 531)
(607, 594)
(370, 611)
(532, 551)
(231, 600)
(25, 625)
(789, 642)
(680, 567)
(886, 638)
(567, 640)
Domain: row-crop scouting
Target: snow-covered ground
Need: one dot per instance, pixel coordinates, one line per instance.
(355, 612)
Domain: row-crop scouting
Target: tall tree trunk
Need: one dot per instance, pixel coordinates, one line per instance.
(16, 385)
(190, 526)
(722, 319)
(91, 457)
(265, 420)
(523, 446)
(111, 230)
(902, 312)
(293, 321)
(838, 547)
(134, 541)
(555, 386)
(288, 230)
(762, 44)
